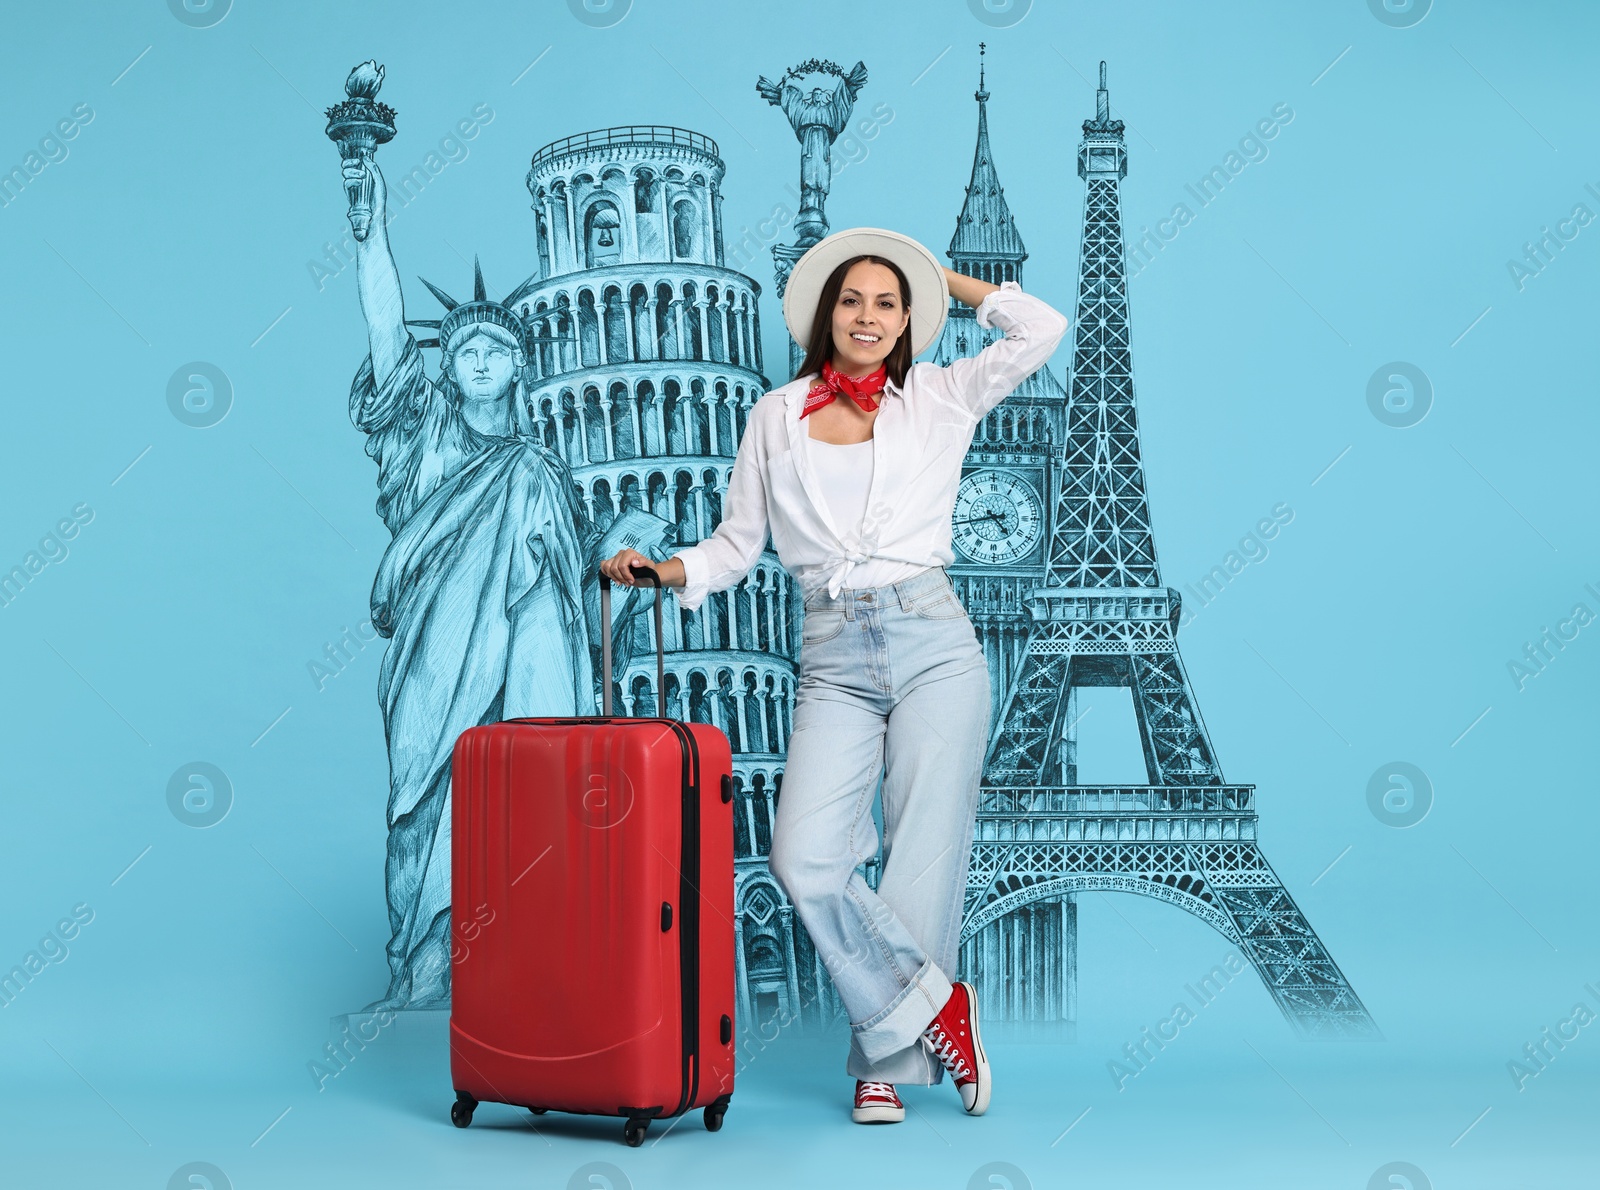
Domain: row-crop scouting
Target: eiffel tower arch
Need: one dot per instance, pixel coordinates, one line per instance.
(1101, 616)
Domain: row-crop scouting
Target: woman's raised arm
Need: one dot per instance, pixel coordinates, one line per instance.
(968, 290)
(1033, 330)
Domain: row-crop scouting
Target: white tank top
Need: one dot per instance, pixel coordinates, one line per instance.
(845, 472)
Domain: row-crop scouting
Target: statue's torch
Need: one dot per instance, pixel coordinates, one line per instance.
(358, 126)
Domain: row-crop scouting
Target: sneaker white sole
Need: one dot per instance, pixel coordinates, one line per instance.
(980, 1103)
(878, 1114)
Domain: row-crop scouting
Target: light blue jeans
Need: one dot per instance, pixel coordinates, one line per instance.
(893, 683)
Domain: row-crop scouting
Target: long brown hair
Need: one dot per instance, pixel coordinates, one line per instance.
(898, 361)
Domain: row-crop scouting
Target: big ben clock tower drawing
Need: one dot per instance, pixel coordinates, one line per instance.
(1026, 964)
(1000, 522)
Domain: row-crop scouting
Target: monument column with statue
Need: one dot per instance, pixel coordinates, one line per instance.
(818, 98)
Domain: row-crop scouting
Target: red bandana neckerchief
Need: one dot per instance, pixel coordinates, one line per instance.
(860, 389)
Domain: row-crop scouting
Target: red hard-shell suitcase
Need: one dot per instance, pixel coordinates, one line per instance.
(592, 949)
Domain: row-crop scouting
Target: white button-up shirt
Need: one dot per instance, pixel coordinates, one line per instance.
(920, 438)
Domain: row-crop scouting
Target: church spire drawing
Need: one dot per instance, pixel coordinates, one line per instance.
(986, 244)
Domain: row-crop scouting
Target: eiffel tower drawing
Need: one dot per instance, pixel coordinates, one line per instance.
(1103, 617)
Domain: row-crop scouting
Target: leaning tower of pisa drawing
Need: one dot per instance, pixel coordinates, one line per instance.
(646, 352)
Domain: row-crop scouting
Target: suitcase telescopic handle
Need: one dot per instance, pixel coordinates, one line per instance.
(649, 574)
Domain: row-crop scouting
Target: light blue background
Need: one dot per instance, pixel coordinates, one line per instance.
(220, 561)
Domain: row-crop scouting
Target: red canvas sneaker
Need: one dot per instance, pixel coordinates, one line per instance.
(876, 1103)
(953, 1039)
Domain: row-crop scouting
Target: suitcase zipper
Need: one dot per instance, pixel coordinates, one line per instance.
(689, 915)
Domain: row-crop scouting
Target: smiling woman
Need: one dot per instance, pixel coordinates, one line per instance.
(853, 469)
(869, 300)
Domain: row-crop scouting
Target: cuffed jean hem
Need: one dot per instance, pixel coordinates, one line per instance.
(915, 1065)
(907, 1015)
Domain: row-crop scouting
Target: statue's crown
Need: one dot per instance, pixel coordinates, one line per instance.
(480, 309)
(816, 66)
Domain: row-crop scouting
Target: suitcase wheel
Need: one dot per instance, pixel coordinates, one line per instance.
(633, 1132)
(538, 1111)
(714, 1115)
(461, 1109)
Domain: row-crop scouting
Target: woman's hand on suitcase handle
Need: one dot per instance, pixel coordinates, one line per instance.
(621, 566)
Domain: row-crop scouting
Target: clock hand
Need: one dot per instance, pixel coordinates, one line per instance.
(989, 514)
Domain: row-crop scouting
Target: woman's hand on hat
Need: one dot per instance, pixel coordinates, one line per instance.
(967, 290)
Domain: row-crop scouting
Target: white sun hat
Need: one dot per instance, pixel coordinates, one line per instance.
(930, 296)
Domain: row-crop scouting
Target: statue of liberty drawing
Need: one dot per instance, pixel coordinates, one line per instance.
(489, 586)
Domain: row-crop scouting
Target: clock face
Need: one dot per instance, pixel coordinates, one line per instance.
(997, 519)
